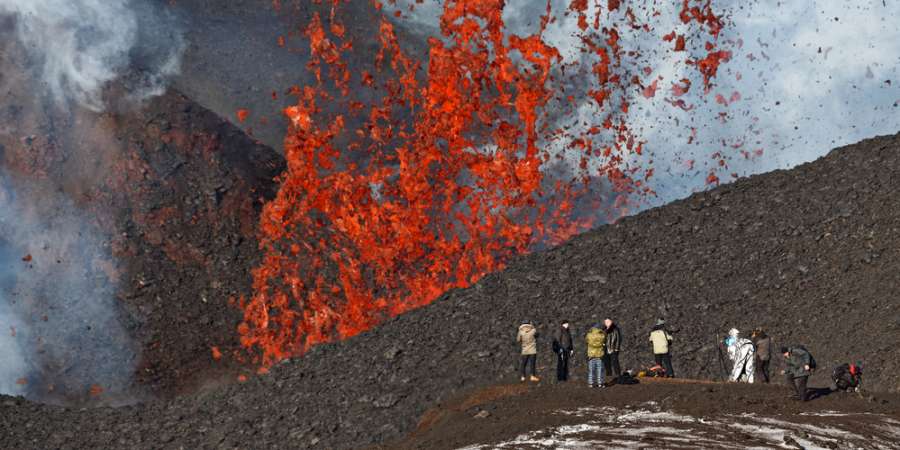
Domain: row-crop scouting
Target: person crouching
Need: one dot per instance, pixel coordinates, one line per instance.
(596, 348)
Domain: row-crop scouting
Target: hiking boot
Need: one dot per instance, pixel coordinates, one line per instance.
(534, 378)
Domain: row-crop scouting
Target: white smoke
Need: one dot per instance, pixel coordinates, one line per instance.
(812, 75)
(14, 370)
(60, 328)
(83, 45)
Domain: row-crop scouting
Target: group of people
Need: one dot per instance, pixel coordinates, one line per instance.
(603, 342)
(750, 357)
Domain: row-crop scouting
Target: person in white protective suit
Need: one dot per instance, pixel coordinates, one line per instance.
(741, 352)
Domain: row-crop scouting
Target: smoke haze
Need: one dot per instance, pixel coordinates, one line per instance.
(62, 335)
(79, 46)
(61, 332)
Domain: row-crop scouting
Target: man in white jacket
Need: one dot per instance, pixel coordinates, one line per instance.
(741, 352)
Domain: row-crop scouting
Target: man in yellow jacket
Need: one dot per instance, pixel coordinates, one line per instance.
(596, 348)
(661, 340)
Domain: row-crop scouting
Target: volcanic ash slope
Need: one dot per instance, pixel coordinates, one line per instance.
(810, 254)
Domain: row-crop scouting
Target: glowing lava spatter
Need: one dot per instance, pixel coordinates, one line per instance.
(443, 180)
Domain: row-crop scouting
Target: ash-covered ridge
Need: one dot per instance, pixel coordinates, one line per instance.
(808, 253)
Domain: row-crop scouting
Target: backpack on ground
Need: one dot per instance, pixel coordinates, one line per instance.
(655, 371)
(627, 378)
(847, 377)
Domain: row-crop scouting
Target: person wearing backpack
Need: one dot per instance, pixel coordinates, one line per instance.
(596, 348)
(527, 337)
(799, 365)
(661, 341)
(562, 346)
(763, 354)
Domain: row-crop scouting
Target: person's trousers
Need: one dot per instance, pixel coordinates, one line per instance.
(762, 371)
(665, 360)
(611, 364)
(799, 385)
(562, 365)
(529, 360)
(595, 371)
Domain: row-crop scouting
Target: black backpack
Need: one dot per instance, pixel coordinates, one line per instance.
(812, 361)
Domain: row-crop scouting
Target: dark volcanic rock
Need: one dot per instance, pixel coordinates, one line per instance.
(728, 257)
(176, 191)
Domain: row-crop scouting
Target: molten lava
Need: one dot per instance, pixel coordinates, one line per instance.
(441, 179)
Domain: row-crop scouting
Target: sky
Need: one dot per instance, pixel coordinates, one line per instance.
(809, 76)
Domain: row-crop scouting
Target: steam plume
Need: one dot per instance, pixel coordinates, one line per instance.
(82, 45)
(61, 333)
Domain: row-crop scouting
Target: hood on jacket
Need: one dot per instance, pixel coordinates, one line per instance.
(526, 327)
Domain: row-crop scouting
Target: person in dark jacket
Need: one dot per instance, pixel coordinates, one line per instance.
(562, 346)
(613, 345)
(763, 354)
(797, 370)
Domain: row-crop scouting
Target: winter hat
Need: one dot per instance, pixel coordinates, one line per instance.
(733, 332)
(660, 322)
(784, 350)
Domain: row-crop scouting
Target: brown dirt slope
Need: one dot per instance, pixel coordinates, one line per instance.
(809, 253)
(657, 413)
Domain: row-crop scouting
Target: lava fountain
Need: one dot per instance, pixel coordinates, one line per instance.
(431, 172)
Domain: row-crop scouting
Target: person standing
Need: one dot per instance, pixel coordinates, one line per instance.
(613, 345)
(742, 354)
(799, 365)
(562, 346)
(596, 348)
(527, 337)
(763, 354)
(661, 341)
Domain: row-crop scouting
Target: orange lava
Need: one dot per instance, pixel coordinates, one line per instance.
(441, 179)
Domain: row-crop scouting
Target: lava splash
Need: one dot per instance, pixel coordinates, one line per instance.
(429, 173)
